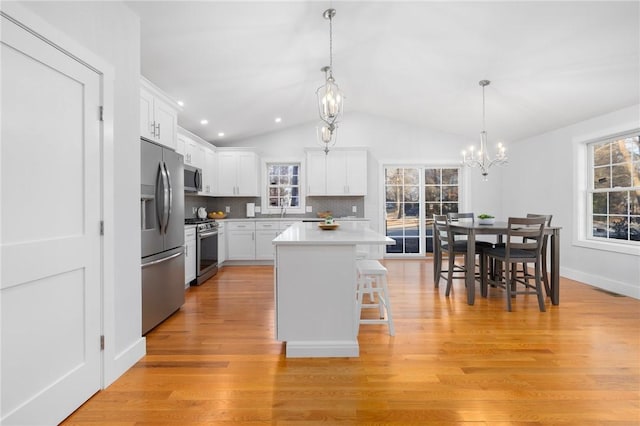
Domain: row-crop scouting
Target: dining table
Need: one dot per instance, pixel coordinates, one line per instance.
(499, 229)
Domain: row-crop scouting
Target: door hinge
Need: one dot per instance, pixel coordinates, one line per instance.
(102, 343)
(101, 113)
(102, 227)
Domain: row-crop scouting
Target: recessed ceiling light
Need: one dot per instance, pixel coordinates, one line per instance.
(203, 122)
(221, 134)
(181, 103)
(278, 120)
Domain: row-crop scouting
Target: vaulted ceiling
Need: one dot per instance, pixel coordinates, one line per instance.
(242, 64)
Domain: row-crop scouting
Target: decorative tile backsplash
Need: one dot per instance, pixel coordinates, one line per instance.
(340, 206)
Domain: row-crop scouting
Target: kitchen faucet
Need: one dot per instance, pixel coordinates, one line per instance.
(286, 202)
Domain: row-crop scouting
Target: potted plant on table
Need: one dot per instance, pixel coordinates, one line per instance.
(486, 219)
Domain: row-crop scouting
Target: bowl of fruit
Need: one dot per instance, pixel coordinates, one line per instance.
(217, 215)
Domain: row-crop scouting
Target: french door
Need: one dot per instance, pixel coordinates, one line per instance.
(413, 194)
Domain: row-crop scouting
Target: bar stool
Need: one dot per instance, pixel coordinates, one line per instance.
(372, 280)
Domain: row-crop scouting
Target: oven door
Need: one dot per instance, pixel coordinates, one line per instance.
(207, 254)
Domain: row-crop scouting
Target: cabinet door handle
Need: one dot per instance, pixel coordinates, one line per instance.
(158, 135)
(153, 128)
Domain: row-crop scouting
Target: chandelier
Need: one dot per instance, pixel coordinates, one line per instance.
(330, 98)
(481, 158)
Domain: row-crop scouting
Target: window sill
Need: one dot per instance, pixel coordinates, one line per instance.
(608, 246)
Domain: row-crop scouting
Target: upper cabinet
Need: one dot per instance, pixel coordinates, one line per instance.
(341, 172)
(158, 115)
(209, 172)
(237, 173)
(201, 154)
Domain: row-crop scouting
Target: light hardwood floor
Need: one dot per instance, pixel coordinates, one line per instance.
(216, 361)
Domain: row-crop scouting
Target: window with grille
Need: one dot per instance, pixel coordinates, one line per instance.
(614, 189)
(283, 186)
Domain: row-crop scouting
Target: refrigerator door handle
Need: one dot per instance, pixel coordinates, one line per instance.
(155, 262)
(165, 192)
(169, 203)
(160, 200)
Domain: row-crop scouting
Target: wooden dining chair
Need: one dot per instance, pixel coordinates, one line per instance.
(523, 245)
(545, 274)
(481, 247)
(448, 244)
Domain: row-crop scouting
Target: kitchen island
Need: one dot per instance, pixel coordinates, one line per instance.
(315, 288)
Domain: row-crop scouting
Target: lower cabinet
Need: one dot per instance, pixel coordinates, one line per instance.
(265, 233)
(251, 240)
(189, 255)
(241, 240)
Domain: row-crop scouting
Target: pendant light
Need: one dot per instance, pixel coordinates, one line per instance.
(330, 98)
(481, 159)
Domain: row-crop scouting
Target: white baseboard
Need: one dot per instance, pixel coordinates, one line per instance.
(328, 349)
(601, 282)
(126, 359)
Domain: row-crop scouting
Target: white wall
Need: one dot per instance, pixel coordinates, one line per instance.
(112, 31)
(388, 142)
(540, 179)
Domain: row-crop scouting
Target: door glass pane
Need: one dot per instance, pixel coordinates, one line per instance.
(408, 199)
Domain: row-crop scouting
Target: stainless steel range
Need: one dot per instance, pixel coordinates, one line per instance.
(206, 248)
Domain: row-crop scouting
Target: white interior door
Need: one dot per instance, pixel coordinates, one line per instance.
(49, 235)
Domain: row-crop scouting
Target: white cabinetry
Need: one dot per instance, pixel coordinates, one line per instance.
(189, 255)
(222, 243)
(316, 173)
(265, 233)
(209, 172)
(201, 154)
(341, 172)
(241, 240)
(158, 115)
(193, 152)
(237, 173)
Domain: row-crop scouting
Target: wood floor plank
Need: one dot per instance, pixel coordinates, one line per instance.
(216, 362)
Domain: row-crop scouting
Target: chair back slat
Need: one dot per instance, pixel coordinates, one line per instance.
(455, 216)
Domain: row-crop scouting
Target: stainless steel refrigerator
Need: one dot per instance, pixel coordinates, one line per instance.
(162, 223)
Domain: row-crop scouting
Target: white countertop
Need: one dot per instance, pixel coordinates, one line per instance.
(308, 233)
(289, 219)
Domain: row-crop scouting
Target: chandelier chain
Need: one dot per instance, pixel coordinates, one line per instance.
(330, 45)
(484, 127)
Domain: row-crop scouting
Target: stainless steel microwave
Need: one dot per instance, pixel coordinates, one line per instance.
(192, 179)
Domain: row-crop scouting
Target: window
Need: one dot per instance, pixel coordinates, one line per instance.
(283, 187)
(614, 190)
(413, 196)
